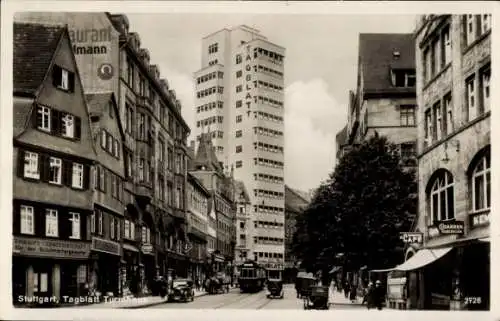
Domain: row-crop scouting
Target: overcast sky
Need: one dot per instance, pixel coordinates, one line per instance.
(320, 69)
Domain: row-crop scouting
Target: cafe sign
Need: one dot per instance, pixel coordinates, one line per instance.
(106, 246)
(37, 247)
(453, 227)
(411, 237)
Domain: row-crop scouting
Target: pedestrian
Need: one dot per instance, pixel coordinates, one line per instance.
(379, 295)
(346, 289)
(368, 297)
(352, 293)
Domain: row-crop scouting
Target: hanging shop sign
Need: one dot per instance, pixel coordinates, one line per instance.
(147, 248)
(453, 227)
(106, 246)
(411, 237)
(37, 247)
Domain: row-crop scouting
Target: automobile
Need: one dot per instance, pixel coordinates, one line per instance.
(181, 290)
(317, 298)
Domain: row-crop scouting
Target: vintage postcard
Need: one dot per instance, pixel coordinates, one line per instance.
(272, 156)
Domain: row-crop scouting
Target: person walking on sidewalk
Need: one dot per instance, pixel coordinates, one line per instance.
(352, 293)
(368, 298)
(379, 295)
(346, 289)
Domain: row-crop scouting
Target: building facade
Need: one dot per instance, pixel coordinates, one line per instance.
(107, 184)
(295, 204)
(153, 150)
(198, 199)
(244, 227)
(385, 97)
(53, 155)
(453, 81)
(240, 103)
(221, 207)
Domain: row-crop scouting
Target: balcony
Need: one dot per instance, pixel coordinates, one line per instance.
(144, 192)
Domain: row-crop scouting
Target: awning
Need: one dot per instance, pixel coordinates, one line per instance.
(423, 258)
(382, 270)
(130, 247)
(486, 240)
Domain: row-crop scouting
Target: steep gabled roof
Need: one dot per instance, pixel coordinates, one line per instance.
(205, 155)
(96, 103)
(376, 59)
(241, 192)
(34, 48)
(341, 137)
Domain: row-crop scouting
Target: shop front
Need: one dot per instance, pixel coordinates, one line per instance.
(48, 272)
(131, 270)
(105, 267)
(149, 262)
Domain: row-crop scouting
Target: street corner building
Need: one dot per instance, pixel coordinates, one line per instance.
(53, 154)
(100, 154)
(449, 269)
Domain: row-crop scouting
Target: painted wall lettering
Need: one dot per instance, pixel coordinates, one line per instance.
(85, 41)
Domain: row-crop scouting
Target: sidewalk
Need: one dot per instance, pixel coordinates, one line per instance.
(338, 298)
(132, 302)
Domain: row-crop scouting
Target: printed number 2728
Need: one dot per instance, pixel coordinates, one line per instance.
(473, 300)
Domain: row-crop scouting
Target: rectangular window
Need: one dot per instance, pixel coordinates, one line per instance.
(239, 74)
(471, 98)
(104, 139)
(64, 79)
(68, 126)
(438, 120)
(239, 149)
(435, 57)
(238, 119)
(144, 235)
(92, 222)
(27, 220)
(471, 28)
(51, 225)
(239, 88)
(485, 86)
(77, 177)
(141, 169)
(55, 170)
(110, 144)
(127, 229)
(485, 23)
(448, 106)
(31, 169)
(99, 223)
(407, 115)
(43, 118)
(116, 149)
(239, 133)
(446, 47)
(428, 125)
(239, 103)
(112, 228)
(75, 225)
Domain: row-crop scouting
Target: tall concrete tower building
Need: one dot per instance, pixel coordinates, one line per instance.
(240, 101)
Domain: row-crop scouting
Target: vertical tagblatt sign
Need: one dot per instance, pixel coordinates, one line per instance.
(248, 79)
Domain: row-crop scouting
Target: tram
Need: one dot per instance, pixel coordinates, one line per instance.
(252, 277)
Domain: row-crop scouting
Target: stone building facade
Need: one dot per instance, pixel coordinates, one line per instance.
(384, 100)
(453, 81)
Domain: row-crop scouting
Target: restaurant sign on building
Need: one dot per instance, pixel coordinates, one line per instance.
(37, 247)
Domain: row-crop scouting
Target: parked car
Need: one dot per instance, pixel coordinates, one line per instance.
(182, 290)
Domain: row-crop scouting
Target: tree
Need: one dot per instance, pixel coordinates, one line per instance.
(359, 211)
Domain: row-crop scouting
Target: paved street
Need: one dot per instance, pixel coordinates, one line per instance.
(236, 300)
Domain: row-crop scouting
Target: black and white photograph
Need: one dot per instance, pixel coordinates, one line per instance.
(167, 158)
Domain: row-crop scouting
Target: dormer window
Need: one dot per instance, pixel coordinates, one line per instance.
(403, 78)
